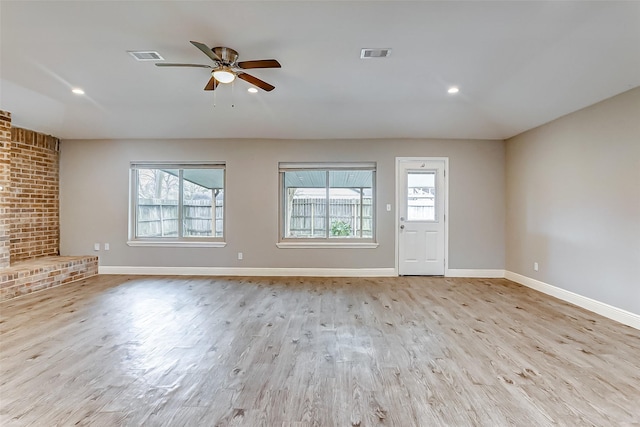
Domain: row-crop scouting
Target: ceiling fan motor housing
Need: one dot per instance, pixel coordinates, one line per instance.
(228, 55)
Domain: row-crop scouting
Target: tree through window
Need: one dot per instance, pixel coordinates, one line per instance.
(178, 201)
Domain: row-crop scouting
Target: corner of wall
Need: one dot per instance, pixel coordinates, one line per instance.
(5, 177)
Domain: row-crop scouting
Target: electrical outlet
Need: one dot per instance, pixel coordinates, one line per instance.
(535, 266)
(106, 247)
(239, 255)
(96, 246)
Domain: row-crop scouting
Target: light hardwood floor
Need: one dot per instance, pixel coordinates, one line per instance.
(411, 351)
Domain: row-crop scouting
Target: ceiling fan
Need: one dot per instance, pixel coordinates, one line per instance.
(226, 67)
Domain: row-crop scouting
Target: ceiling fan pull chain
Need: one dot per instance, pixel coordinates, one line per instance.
(233, 92)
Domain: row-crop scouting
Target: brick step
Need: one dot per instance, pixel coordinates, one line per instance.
(46, 272)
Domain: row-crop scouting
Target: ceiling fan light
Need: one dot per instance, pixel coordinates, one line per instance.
(224, 75)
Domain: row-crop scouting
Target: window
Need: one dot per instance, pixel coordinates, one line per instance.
(421, 195)
(327, 202)
(177, 204)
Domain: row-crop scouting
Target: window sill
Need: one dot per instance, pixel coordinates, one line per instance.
(176, 244)
(327, 245)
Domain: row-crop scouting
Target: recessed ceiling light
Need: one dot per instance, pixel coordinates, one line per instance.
(252, 90)
(77, 91)
(453, 89)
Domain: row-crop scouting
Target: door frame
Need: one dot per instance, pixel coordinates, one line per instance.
(446, 208)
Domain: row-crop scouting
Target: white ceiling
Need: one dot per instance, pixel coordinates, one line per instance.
(518, 65)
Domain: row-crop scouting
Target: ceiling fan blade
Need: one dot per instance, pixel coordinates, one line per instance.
(212, 84)
(256, 82)
(207, 51)
(169, 64)
(262, 63)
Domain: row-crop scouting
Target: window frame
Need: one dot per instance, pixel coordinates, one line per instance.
(180, 240)
(327, 241)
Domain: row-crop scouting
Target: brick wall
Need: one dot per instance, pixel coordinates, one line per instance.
(33, 199)
(30, 216)
(5, 173)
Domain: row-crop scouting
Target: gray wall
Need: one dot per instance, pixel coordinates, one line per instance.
(94, 198)
(573, 202)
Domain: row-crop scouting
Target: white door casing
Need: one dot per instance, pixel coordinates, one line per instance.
(421, 216)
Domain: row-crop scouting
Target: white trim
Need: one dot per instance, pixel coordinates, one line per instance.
(603, 309)
(177, 165)
(241, 271)
(286, 166)
(326, 245)
(480, 273)
(176, 244)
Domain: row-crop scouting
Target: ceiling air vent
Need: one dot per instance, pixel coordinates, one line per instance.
(146, 55)
(374, 53)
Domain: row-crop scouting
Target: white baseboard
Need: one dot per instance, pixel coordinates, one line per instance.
(487, 274)
(231, 271)
(598, 307)
(320, 272)
(606, 310)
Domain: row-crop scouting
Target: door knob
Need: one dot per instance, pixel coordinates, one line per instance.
(402, 227)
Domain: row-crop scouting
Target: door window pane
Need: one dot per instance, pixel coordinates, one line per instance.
(421, 192)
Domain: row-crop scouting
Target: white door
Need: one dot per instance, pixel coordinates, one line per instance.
(421, 216)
